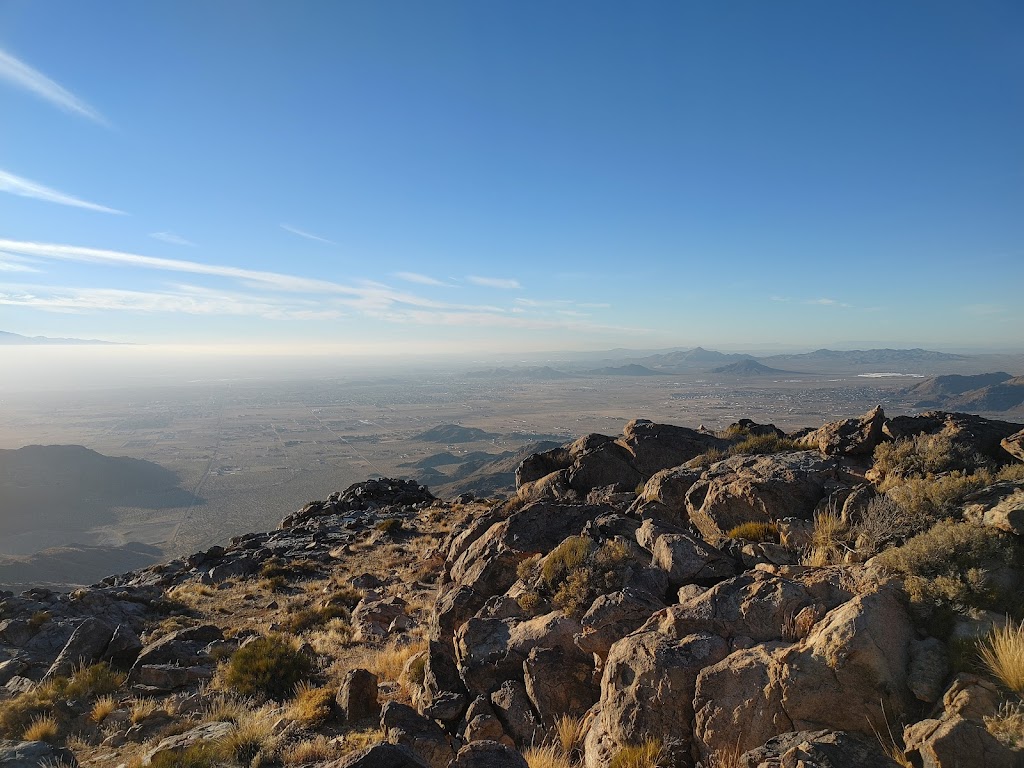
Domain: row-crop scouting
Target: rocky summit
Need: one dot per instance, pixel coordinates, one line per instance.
(840, 597)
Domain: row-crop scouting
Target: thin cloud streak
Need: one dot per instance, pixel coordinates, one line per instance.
(416, 277)
(16, 185)
(11, 263)
(305, 234)
(173, 239)
(494, 282)
(19, 73)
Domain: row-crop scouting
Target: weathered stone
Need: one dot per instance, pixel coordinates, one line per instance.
(488, 754)
(850, 437)
(929, 668)
(177, 744)
(559, 682)
(84, 647)
(402, 725)
(32, 754)
(123, 649)
(689, 560)
(1000, 505)
(612, 617)
(818, 749)
(1014, 445)
(512, 707)
(380, 756)
(357, 696)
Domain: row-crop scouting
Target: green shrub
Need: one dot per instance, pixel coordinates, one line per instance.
(934, 497)
(924, 455)
(947, 568)
(565, 558)
(755, 531)
(93, 681)
(307, 618)
(390, 526)
(269, 666)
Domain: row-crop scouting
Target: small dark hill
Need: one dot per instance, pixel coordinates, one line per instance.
(71, 487)
(625, 370)
(931, 391)
(487, 478)
(453, 433)
(74, 565)
(748, 368)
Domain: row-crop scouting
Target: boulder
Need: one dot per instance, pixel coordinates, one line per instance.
(687, 560)
(849, 437)
(403, 725)
(929, 668)
(848, 673)
(380, 756)
(745, 489)
(969, 432)
(373, 617)
(612, 617)
(668, 488)
(1014, 445)
(174, 745)
(488, 754)
(818, 749)
(1000, 505)
(539, 465)
(511, 706)
(607, 464)
(957, 737)
(655, 447)
(357, 696)
(179, 647)
(123, 649)
(32, 754)
(647, 689)
(559, 682)
(84, 647)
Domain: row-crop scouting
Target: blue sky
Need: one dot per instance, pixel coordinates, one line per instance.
(513, 176)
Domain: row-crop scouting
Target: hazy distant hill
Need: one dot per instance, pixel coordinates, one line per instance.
(535, 373)
(1005, 396)
(932, 391)
(453, 433)
(6, 337)
(484, 477)
(625, 370)
(748, 368)
(74, 565)
(71, 488)
(865, 357)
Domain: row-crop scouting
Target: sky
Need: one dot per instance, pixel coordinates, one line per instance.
(410, 177)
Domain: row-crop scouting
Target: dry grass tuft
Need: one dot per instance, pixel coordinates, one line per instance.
(388, 662)
(142, 709)
(650, 753)
(42, 728)
(546, 757)
(755, 531)
(316, 750)
(1002, 652)
(312, 705)
(828, 540)
(569, 735)
(102, 708)
(1007, 725)
(254, 735)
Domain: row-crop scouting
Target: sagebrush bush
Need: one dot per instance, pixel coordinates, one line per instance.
(755, 531)
(269, 666)
(934, 497)
(307, 618)
(924, 455)
(884, 524)
(565, 558)
(949, 566)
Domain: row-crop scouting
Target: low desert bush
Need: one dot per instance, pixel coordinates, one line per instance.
(37, 619)
(600, 571)
(650, 753)
(706, 459)
(390, 526)
(934, 497)
(755, 531)
(948, 568)
(18, 713)
(42, 728)
(924, 455)
(269, 666)
(884, 524)
(1002, 653)
(303, 619)
(565, 558)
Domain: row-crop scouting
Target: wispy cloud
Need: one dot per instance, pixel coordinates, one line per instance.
(305, 234)
(173, 239)
(11, 263)
(20, 74)
(984, 310)
(16, 185)
(779, 298)
(827, 303)
(494, 282)
(416, 277)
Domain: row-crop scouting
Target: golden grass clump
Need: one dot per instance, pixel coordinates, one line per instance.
(312, 705)
(95, 680)
(828, 540)
(547, 756)
(388, 662)
(319, 749)
(755, 531)
(650, 753)
(42, 728)
(1007, 725)
(102, 709)
(764, 444)
(569, 735)
(254, 735)
(1002, 653)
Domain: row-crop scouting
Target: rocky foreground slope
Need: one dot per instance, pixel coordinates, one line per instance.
(843, 596)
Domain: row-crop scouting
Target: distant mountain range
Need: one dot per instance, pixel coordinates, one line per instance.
(866, 357)
(6, 337)
(531, 373)
(624, 370)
